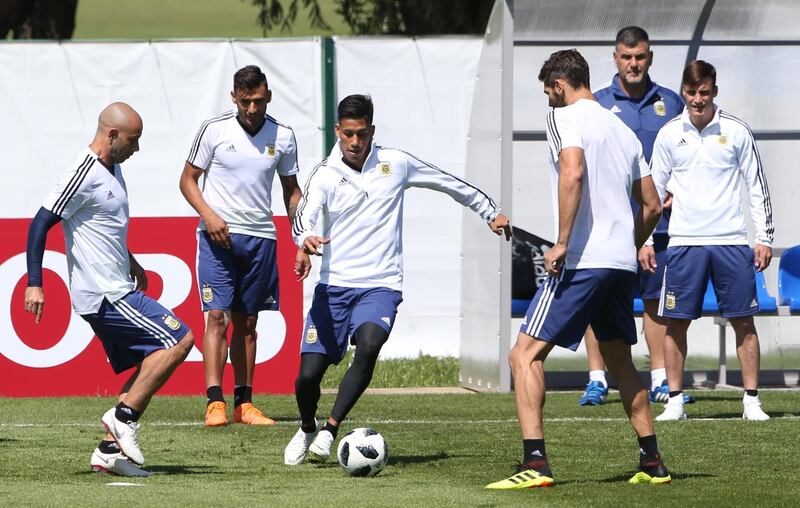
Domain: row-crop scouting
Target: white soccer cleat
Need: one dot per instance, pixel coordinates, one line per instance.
(295, 452)
(320, 449)
(126, 434)
(752, 409)
(673, 411)
(115, 463)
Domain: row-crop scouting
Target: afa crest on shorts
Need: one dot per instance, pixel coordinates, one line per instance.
(208, 294)
(171, 322)
(311, 335)
(669, 301)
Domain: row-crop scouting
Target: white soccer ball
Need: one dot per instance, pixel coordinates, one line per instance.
(362, 452)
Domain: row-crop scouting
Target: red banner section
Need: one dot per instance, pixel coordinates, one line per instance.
(60, 356)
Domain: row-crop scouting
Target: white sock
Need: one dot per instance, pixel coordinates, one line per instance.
(598, 375)
(657, 377)
(676, 400)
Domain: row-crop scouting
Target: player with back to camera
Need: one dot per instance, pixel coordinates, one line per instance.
(359, 190)
(238, 153)
(106, 282)
(644, 106)
(597, 165)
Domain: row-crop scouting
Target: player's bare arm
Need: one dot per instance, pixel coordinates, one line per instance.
(570, 182)
(138, 273)
(291, 195)
(312, 244)
(216, 227)
(501, 225)
(645, 193)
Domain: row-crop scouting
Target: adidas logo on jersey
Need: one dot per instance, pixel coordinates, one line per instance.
(230, 148)
(682, 142)
(110, 195)
(615, 109)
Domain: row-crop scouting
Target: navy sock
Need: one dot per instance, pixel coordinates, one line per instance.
(108, 447)
(752, 393)
(126, 413)
(214, 394)
(331, 428)
(242, 395)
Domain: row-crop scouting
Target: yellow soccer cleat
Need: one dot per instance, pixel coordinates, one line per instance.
(655, 473)
(216, 415)
(248, 414)
(522, 479)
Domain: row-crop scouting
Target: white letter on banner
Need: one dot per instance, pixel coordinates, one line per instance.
(74, 341)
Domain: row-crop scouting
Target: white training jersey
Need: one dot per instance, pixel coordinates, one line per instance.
(704, 172)
(363, 213)
(239, 170)
(93, 203)
(602, 235)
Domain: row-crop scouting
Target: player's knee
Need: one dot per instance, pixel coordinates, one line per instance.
(743, 326)
(369, 339)
(217, 321)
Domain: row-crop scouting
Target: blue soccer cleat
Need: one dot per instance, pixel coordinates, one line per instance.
(661, 394)
(594, 395)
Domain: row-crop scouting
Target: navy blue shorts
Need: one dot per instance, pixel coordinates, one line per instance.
(243, 278)
(650, 283)
(565, 305)
(133, 327)
(337, 312)
(732, 274)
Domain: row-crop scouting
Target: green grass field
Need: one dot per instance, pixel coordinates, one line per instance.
(443, 450)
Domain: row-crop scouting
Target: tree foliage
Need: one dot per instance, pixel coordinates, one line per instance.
(406, 17)
(38, 19)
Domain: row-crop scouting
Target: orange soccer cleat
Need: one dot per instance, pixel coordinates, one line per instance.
(216, 415)
(248, 414)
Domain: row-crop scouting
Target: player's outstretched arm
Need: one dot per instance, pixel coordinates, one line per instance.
(500, 225)
(216, 227)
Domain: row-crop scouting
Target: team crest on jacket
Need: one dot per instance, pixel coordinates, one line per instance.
(208, 294)
(271, 150)
(723, 139)
(311, 335)
(170, 321)
(660, 108)
(670, 301)
(386, 168)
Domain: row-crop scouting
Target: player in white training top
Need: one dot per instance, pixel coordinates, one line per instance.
(598, 166)
(106, 283)
(702, 158)
(359, 191)
(237, 154)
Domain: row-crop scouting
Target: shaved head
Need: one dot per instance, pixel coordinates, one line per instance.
(119, 128)
(118, 115)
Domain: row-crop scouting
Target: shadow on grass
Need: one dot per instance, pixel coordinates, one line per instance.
(417, 459)
(673, 474)
(7, 440)
(166, 470)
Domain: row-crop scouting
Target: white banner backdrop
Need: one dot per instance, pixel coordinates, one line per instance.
(422, 89)
(51, 94)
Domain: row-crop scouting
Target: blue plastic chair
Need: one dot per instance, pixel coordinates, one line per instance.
(766, 302)
(710, 300)
(789, 278)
